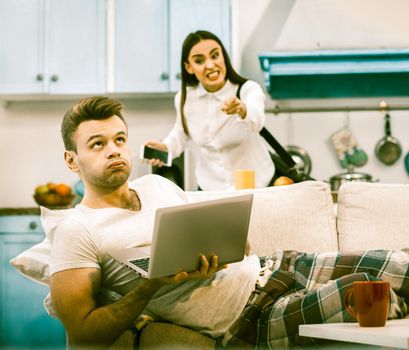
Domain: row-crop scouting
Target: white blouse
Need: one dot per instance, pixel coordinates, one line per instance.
(225, 142)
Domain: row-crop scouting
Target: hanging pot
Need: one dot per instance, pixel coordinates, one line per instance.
(388, 149)
(337, 180)
(407, 163)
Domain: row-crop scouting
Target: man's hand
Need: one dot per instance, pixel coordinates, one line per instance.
(234, 106)
(205, 270)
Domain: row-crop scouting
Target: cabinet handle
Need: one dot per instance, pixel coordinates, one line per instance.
(40, 77)
(178, 76)
(32, 225)
(54, 78)
(164, 76)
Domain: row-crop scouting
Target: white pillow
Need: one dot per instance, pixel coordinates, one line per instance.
(33, 263)
(294, 217)
(373, 216)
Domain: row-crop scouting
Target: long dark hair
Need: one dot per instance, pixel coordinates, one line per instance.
(190, 79)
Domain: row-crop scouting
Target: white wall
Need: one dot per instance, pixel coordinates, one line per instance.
(265, 25)
(31, 148)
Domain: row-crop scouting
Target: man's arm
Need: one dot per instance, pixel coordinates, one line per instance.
(74, 294)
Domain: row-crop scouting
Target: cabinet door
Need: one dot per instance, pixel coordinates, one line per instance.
(76, 46)
(141, 46)
(188, 16)
(24, 322)
(21, 46)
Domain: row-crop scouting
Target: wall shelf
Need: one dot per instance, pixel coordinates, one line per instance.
(336, 73)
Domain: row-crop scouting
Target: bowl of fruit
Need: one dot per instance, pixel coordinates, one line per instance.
(53, 195)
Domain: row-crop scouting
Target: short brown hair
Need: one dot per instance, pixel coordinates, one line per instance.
(90, 108)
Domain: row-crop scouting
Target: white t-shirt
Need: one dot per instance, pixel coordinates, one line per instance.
(84, 236)
(225, 142)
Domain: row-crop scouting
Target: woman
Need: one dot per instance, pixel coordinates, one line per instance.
(221, 112)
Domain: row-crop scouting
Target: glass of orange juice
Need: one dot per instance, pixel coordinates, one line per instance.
(244, 179)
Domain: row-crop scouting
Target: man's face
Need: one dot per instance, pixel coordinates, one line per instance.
(103, 159)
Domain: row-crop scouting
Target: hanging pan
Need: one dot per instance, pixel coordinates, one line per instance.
(301, 158)
(407, 163)
(388, 149)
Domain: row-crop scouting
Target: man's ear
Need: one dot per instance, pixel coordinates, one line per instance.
(69, 157)
(188, 68)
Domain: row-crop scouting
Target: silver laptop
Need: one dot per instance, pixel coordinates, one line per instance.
(182, 233)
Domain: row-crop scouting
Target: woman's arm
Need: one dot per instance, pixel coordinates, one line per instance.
(250, 106)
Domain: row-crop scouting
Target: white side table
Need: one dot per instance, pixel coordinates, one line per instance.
(395, 334)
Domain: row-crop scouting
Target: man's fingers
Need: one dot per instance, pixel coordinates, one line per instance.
(214, 264)
(181, 276)
(204, 265)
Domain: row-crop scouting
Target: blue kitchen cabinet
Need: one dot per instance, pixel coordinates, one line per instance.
(187, 16)
(24, 323)
(141, 46)
(52, 46)
(21, 46)
(149, 36)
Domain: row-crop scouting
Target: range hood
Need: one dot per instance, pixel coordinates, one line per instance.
(336, 73)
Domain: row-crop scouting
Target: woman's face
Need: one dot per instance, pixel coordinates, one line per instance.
(206, 62)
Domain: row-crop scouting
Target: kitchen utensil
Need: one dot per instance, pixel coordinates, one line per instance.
(388, 149)
(347, 148)
(337, 180)
(301, 158)
(407, 163)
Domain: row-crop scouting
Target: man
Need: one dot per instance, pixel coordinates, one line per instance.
(221, 302)
(113, 214)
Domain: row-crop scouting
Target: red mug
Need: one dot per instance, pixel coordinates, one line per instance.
(371, 302)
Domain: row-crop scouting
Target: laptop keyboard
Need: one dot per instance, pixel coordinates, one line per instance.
(142, 263)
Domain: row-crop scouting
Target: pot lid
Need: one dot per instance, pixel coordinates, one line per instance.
(352, 176)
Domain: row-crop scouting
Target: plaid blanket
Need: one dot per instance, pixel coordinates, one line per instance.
(310, 288)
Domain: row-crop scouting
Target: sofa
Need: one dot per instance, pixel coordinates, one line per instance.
(300, 217)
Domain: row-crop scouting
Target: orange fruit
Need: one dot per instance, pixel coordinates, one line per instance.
(51, 186)
(283, 180)
(63, 190)
(51, 199)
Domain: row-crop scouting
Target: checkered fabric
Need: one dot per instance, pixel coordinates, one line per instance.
(310, 288)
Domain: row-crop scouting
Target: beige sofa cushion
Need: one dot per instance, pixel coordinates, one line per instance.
(165, 336)
(297, 217)
(373, 216)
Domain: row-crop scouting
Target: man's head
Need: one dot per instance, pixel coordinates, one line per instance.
(96, 140)
(90, 108)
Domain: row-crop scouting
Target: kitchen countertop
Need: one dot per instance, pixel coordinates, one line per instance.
(20, 211)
